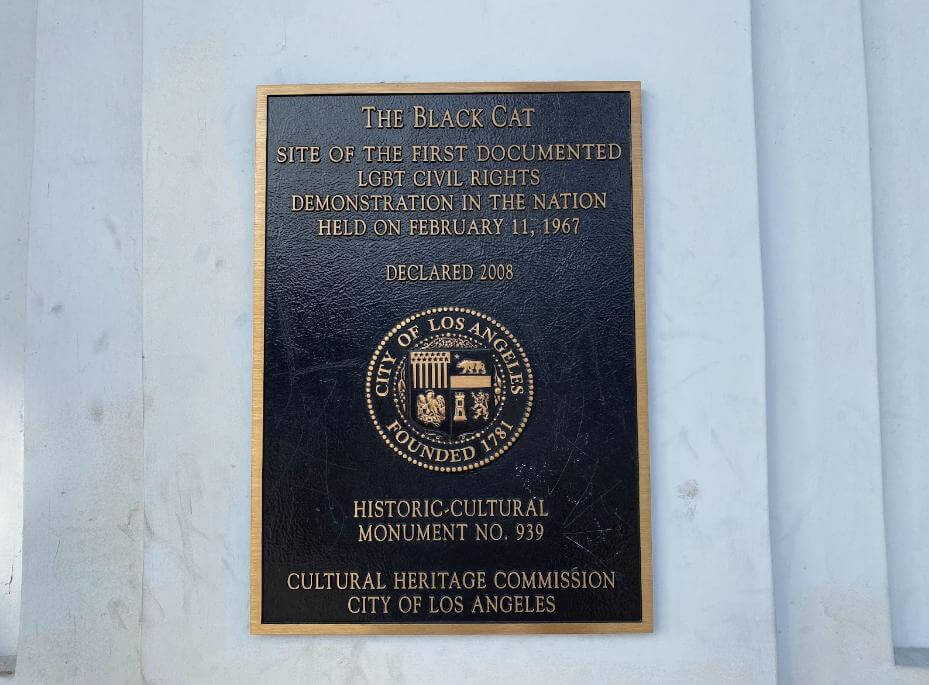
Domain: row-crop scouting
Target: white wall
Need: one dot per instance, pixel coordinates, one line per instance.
(823, 414)
(82, 547)
(898, 93)
(17, 33)
(745, 384)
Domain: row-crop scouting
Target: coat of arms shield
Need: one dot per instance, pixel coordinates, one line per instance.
(450, 391)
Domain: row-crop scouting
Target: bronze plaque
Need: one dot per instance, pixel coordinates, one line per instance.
(450, 429)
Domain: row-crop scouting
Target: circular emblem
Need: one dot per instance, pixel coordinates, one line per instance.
(449, 389)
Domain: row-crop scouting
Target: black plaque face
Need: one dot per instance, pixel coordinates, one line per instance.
(450, 412)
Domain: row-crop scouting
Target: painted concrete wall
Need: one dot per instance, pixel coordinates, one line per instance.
(17, 33)
(82, 550)
(824, 444)
(755, 393)
(898, 93)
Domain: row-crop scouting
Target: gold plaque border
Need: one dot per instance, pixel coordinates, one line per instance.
(646, 625)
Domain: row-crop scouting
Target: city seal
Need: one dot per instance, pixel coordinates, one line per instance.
(449, 389)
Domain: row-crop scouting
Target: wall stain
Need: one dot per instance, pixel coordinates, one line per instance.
(115, 608)
(689, 491)
(112, 229)
(96, 412)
